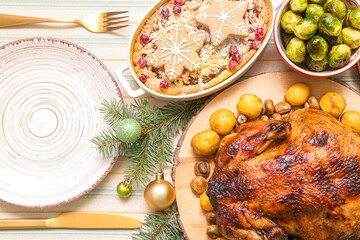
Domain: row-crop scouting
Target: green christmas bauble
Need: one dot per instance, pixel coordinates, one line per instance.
(123, 190)
(128, 130)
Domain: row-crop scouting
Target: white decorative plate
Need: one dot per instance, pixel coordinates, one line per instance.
(50, 95)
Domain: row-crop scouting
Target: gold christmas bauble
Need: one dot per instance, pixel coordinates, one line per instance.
(159, 194)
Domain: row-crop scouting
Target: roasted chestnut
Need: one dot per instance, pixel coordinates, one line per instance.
(210, 218)
(198, 184)
(269, 107)
(202, 169)
(213, 232)
(282, 107)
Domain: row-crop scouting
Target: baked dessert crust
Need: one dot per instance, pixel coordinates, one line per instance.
(214, 68)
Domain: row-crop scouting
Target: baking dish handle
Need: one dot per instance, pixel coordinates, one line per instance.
(125, 84)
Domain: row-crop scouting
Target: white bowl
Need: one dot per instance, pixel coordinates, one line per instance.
(143, 89)
(355, 57)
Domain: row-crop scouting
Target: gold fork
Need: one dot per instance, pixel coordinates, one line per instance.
(95, 22)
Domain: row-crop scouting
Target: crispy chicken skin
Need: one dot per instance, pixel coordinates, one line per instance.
(301, 178)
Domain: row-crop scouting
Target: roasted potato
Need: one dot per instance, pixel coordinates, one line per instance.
(297, 94)
(250, 105)
(333, 103)
(352, 119)
(222, 121)
(205, 202)
(205, 143)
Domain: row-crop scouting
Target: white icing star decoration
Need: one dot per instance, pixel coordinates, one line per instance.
(224, 18)
(176, 50)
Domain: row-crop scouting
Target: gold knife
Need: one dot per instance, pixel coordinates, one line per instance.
(75, 220)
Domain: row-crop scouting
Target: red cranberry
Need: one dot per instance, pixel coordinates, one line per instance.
(237, 57)
(177, 9)
(143, 77)
(144, 38)
(164, 84)
(142, 62)
(178, 2)
(165, 12)
(233, 49)
(255, 45)
(233, 64)
(260, 33)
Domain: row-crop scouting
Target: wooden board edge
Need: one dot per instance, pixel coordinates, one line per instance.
(181, 139)
(177, 151)
(345, 84)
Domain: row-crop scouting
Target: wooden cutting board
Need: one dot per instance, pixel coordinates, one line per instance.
(266, 86)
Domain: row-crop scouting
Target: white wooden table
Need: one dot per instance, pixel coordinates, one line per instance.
(111, 48)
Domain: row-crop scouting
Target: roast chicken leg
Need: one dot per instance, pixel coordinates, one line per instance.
(273, 179)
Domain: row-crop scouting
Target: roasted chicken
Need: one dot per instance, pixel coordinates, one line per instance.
(274, 179)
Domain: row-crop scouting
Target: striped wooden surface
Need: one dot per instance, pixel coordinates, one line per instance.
(111, 49)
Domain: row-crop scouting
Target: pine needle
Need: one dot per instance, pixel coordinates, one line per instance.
(160, 226)
(114, 111)
(107, 143)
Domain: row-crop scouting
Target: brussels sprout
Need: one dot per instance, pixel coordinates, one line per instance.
(296, 50)
(351, 37)
(314, 11)
(317, 48)
(298, 5)
(354, 18)
(317, 66)
(286, 37)
(347, 21)
(332, 41)
(337, 8)
(289, 20)
(319, 2)
(329, 25)
(305, 28)
(339, 56)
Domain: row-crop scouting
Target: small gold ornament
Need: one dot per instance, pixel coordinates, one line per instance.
(159, 194)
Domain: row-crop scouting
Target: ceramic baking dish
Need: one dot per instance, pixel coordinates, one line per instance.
(143, 89)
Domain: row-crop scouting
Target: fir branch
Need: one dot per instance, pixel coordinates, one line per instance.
(147, 115)
(114, 111)
(165, 151)
(155, 149)
(145, 108)
(107, 143)
(178, 115)
(160, 226)
(141, 166)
